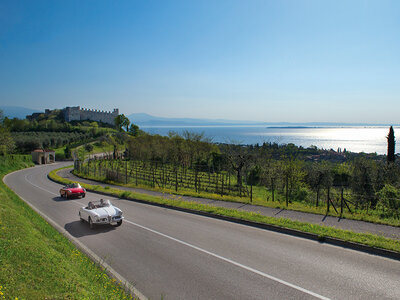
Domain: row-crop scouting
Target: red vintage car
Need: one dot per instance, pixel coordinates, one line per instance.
(73, 190)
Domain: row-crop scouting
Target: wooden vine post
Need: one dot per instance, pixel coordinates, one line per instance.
(126, 171)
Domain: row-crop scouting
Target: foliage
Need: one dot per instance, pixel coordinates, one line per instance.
(362, 183)
(254, 175)
(134, 130)
(67, 152)
(254, 172)
(88, 147)
(7, 144)
(28, 141)
(389, 201)
(51, 131)
(391, 146)
(121, 121)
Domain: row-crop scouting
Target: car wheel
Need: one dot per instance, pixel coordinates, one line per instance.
(91, 225)
(118, 223)
(82, 220)
(83, 195)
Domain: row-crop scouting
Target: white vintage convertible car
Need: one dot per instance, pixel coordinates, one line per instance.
(101, 212)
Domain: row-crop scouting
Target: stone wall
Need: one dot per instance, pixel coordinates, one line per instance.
(76, 113)
(99, 116)
(72, 113)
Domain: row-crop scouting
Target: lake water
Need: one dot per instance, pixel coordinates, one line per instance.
(356, 139)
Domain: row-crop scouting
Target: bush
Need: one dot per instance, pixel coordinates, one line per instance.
(124, 194)
(389, 201)
(300, 194)
(89, 147)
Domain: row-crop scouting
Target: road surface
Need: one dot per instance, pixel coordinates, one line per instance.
(176, 255)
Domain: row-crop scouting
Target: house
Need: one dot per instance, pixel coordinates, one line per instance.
(42, 156)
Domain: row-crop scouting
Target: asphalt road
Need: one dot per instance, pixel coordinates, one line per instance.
(176, 255)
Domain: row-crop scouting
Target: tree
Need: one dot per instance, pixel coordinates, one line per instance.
(133, 130)
(391, 146)
(272, 174)
(362, 184)
(292, 174)
(122, 121)
(7, 144)
(239, 158)
(88, 147)
(67, 152)
(319, 176)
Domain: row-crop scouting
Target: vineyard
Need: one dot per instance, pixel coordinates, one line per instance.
(204, 181)
(164, 176)
(170, 178)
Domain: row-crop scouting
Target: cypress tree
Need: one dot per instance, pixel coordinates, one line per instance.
(391, 145)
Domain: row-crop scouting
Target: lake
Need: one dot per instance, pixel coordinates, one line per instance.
(356, 139)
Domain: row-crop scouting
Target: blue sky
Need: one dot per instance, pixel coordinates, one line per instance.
(295, 61)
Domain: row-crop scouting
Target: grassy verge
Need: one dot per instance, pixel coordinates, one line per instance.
(37, 262)
(259, 200)
(322, 231)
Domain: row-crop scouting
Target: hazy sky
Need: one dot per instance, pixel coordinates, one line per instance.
(296, 61)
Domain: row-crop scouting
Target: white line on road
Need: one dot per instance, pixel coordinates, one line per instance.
(26, 178)
(212, 254)
(233, 262)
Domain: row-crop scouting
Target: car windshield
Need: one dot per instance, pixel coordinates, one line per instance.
(104, 203)
(98, 204)
(74, 185)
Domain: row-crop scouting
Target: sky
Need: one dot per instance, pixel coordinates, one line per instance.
(272, 61)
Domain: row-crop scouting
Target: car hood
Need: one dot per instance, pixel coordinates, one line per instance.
(75, 190)
(103, 212)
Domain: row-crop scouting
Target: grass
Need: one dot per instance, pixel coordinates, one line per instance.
(37, 262)
(261, 196)
(321, 231)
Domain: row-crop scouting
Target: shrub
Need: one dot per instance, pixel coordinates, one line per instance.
(124, 194)
(389, 201)
(89, 147)
(301, 194)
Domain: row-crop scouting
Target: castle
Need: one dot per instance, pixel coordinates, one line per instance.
(81, 114)
(76, 113)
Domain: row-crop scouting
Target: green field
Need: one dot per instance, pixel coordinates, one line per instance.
(219, 186)
(37, 262)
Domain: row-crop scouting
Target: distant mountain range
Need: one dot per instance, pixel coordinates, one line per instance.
(143, 119)
(17, 111)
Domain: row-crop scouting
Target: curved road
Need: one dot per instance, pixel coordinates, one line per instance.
(176, 255)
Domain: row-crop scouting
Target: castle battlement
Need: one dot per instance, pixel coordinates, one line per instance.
(76, 113)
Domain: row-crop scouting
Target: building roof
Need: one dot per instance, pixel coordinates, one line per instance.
(43, 150)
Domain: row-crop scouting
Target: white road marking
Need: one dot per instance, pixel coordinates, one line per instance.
(26, 178)
(212, 254)
(231, 262)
